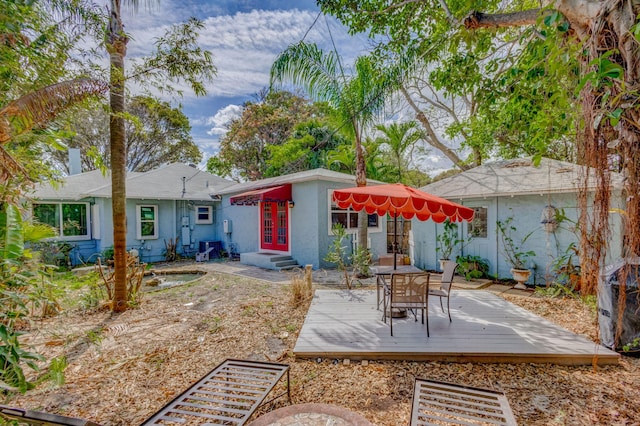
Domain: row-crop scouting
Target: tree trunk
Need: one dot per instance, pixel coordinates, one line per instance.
(361, 180)
(117, 47)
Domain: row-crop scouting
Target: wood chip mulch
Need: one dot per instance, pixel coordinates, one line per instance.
(124, 367)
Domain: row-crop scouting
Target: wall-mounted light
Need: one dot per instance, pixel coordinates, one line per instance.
(291, 204)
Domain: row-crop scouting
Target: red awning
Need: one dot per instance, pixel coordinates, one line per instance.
(280, 193)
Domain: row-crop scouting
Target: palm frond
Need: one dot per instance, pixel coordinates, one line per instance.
(12, 243)
(9, 167)
(40, 107)
(306, 65)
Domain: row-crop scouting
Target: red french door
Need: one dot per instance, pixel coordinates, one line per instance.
(274, 226)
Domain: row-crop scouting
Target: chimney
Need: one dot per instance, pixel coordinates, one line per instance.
(75, 164)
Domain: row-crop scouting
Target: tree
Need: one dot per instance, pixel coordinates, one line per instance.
(271, 121)
(357, 97)
(603, 37)
(400, 140)
(156, 134)
(177, 57)
(38, 41)
(459, 83)
(309, 147)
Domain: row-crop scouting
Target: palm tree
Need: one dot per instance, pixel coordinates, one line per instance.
(401, 139)
(177, 57)
(356, 98)
(116, 42)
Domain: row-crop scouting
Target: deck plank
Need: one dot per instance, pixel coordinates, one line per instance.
(485, 328)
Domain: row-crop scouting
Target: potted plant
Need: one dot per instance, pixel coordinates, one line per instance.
(447, 241)
(514, 253)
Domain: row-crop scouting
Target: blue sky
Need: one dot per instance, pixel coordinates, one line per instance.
(244, 37)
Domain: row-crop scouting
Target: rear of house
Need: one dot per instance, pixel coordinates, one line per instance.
(534, 196)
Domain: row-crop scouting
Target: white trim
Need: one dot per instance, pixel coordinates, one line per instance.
(349, 212)
(208, 221)
(60, 225)
(139, 221)
(95, 222)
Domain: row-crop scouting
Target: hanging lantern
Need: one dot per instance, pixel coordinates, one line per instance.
(548, 219)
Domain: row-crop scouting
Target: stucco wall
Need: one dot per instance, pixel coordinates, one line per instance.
(244, 226)
(526, 211)
(310, 232)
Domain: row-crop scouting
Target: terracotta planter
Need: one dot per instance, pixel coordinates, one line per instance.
(521, 276)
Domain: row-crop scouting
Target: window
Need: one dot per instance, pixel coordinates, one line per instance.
(348, 218)
(403, 227)
(204, 215)
(147, 222)
(70, 220)
(477, 228)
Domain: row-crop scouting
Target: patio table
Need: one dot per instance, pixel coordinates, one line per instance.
(384, 272)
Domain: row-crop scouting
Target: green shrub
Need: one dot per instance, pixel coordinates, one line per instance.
(472, 267)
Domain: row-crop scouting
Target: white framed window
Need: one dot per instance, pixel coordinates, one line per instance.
(70, 220)
(204, 215)
(348, 218)
(477, 228)
(147, 222)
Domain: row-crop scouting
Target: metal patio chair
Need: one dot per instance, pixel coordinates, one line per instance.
(228, 395)
(407, 291)
(449, 269)
(39, 418)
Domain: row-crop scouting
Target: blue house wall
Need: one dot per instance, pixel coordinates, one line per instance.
(526, 211)
(310, 233)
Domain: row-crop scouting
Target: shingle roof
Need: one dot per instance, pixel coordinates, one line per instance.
(163, 183)
(173, 181)
(73, 187)
(513, 177)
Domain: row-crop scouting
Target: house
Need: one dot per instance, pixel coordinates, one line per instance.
(273, 223)
(276, 221)
(531, 195)
(168, 205)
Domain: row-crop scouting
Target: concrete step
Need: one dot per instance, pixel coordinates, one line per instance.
(285, 263)
(278, 258)
(289, 267)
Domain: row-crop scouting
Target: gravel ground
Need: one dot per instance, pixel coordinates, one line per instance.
(124, 367)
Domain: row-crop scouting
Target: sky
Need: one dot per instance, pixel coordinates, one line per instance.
(244, 37)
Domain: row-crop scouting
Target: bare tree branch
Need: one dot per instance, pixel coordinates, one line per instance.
(477, 20)
(431, 135)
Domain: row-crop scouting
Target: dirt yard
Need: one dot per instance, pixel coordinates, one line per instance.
(124, 367)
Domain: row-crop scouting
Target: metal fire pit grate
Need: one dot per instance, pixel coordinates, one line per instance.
(228, 395)
(440, 403)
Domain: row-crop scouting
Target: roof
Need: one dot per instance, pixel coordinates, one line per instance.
(163, 183)
(175, 181)
(514, 177)
(72, 187)
(304, 176)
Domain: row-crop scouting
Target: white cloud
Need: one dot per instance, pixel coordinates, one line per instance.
(223, 117)
(243, 45)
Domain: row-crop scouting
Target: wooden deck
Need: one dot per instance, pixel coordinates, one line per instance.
(485, 328)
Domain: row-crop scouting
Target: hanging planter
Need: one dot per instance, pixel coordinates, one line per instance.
(549, 219)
